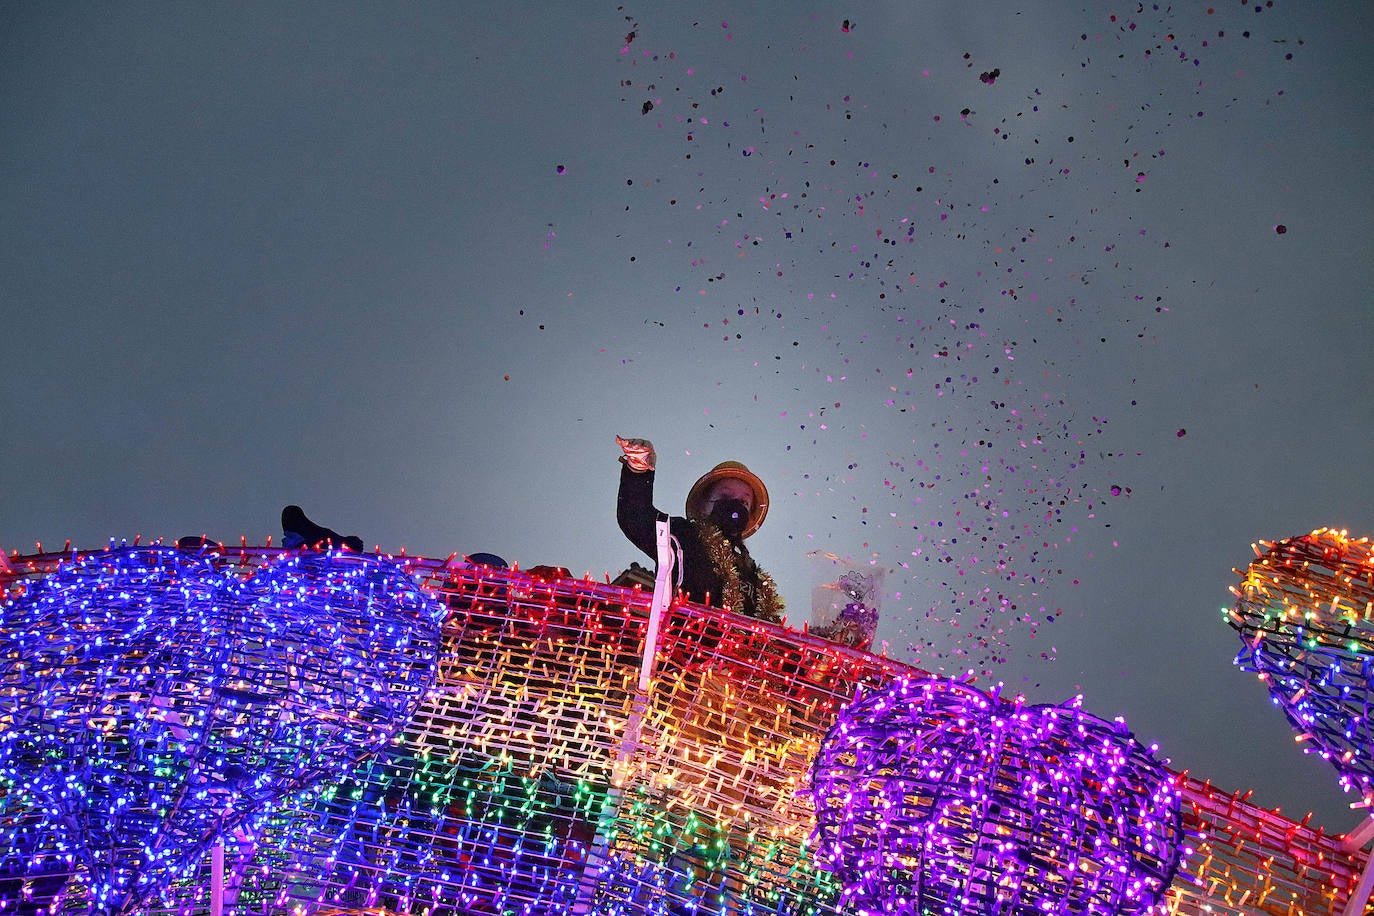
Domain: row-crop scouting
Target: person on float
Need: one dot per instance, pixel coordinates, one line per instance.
(724, 507)
(716, 709)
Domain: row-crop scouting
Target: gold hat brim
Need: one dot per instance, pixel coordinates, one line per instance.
(723, 471)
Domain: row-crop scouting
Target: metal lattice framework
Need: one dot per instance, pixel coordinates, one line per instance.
(536, 778)
(1303, 612)
(933, 797)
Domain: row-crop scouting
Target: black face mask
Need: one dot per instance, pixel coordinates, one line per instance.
(731, 516)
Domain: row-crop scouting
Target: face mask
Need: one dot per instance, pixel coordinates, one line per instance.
(731, 515)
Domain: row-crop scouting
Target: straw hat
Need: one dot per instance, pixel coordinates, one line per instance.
(696, 497)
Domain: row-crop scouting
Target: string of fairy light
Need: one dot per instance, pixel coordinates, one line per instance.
(1303, 612)
(153, 703)
(493, 773)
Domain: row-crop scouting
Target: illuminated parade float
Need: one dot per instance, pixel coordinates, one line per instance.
(246, 730)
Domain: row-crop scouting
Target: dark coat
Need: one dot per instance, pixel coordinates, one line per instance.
(635, 511)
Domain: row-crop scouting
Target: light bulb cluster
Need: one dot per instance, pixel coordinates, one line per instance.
(153, 704)
(1303, 613)
(501, 795)
(490, 799)
(933, 797)
(534, 778)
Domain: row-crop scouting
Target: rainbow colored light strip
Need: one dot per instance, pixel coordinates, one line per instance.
(534, 778)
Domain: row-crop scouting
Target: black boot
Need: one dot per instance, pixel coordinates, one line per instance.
(299, 531)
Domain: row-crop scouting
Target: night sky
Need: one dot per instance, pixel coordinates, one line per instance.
(1047, 314)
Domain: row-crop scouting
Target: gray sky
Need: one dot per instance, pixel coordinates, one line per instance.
(951, 275)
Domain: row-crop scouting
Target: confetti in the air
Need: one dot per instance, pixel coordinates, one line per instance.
(924, 306)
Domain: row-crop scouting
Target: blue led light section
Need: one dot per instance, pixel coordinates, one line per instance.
(151, 704)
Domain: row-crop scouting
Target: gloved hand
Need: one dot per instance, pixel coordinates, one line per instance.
(639, 454)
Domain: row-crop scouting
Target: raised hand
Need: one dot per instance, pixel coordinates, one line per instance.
(639, 454)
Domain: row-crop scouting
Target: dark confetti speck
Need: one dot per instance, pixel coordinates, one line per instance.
(647, 107)
(1181, 433)
(1281, 229)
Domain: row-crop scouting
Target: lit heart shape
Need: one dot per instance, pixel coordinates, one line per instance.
(151, 703)
(933, 797)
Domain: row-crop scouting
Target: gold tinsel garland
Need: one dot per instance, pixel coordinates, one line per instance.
(722, 557)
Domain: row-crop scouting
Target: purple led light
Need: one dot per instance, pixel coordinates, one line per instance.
(933, 797)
